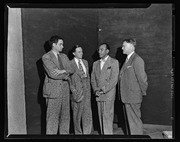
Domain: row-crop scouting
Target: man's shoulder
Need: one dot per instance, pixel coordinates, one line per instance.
(47, 55)
(84, 60)
(113, 60)
(63, 54)
(96, 62)
(72, 61)
(137, 57)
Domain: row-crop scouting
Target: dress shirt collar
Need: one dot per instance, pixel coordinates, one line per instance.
(77, 60)
(104, 60)
(130, 55)
(55, 53)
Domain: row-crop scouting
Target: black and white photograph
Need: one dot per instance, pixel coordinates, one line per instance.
(89, 71)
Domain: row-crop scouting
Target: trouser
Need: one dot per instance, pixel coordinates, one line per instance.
(134, 118)
(82, 111)
(106, 116)
(58, 114)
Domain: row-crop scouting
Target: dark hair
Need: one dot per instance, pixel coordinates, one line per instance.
(130, 40)
(54, 39)
(107, 45)
(74, 48)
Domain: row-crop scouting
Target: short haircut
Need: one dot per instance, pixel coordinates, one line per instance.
(130, 40)
(107, 45)
(74, 48)
(54, 39)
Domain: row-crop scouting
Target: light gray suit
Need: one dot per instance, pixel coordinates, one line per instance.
(81, 109)
(56, 91)
(133, 85)
(107, 77)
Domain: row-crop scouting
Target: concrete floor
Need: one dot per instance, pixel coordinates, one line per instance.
(152, 130)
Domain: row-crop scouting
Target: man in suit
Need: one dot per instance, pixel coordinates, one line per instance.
(81, 93)
(104, 78)
(133, 85)
(56, 88)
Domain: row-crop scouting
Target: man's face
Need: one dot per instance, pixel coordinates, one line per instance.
(103, 51)
(59, 45)
(78, 53)
(127, 47)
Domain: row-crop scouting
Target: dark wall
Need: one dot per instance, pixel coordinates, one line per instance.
(152, 28)
(75, 27)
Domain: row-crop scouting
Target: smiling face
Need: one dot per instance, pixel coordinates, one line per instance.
(58, 46)
(78, 53)
(103, 51)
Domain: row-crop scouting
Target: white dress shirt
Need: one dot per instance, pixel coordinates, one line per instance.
(81, 62)
(103, 62)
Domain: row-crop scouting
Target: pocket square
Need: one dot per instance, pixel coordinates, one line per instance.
(109, 67)
(129, 66)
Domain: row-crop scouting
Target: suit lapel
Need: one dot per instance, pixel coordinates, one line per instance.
(106, 64)
(86, 66)
(98, 69)
(128, 63)
(55, 60)
(75, 65)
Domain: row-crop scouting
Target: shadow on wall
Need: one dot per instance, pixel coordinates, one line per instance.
(119, 117)
(41, 99)
(95, 116)
(70, 54)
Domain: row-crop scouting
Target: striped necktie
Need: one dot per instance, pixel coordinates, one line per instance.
(80, 66)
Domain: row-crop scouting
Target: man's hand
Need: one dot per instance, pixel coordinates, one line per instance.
(66, 77)
(103, 89)
(98, 93)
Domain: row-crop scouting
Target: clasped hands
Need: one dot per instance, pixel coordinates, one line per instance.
(100, 92)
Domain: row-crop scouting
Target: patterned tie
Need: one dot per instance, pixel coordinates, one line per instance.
(60, 62)
(80, 67)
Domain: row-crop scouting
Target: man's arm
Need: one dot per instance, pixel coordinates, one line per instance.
(50, 67)
(93, 80)
(141, 74)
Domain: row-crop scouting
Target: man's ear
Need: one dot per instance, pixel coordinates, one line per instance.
(107, 50)
(73, 53)
(53, 44)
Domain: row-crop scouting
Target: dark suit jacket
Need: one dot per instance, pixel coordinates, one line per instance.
(133, 80)
(107, 77)
(53, 84)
